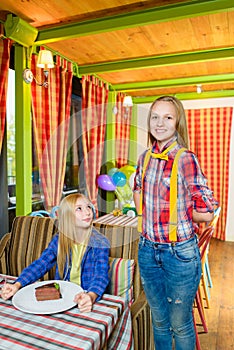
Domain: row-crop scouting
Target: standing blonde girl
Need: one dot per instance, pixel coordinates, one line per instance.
(169, 258)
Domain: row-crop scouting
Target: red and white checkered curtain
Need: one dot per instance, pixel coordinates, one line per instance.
(51, 115)
(122, 131)
(5, 45)
(94, 110)
(209, 132)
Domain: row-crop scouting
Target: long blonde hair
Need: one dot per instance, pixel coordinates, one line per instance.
(181, 122)
(67, 229)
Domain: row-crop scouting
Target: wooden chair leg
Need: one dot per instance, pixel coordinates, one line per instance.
(210, 283)
(199, 292)
(198, 345)
(201, 312)
(205, 289)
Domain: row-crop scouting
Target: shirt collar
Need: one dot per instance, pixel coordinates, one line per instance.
(155, 147)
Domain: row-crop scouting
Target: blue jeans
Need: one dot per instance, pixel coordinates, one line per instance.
(170, 275)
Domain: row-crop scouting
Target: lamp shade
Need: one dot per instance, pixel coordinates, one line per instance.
(45, 59)
(199, 88)
(127, 102)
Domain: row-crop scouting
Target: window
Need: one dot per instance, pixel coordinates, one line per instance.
(11, 128)
(71, 181)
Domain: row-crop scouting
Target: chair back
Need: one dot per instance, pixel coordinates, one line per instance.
(124, 244)
(29, 236)
(204, 240)
(41, 213)
(216, 217)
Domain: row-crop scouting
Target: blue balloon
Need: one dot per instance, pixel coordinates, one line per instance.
(105, 183)
(119, 179)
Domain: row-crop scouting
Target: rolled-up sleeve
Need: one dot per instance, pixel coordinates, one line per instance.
(41, 266)
(196, 183)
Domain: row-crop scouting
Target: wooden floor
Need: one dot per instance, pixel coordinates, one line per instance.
(220, 317)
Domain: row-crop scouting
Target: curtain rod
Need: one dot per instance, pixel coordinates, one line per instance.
(75, 65)
(103, 80)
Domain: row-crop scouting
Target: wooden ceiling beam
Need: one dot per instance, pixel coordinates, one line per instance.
(187, 96)
(159, 61)
(133, 19)
(172, 83)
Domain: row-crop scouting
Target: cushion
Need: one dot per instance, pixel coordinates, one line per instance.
(121, 278)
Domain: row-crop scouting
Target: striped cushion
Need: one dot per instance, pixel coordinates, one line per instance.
(121, 278)
(30, 235)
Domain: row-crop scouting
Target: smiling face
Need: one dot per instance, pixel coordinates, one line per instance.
(83, 212)
(162, 122)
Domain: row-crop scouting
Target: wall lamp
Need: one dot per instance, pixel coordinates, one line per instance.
(45, 61)
(199, 89)
(127, 104)
(127, 101)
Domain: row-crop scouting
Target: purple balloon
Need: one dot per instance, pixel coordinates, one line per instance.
(105, 183)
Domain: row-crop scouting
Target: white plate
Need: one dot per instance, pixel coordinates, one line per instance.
(25, 299)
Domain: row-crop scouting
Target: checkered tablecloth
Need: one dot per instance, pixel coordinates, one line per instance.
(107, 326)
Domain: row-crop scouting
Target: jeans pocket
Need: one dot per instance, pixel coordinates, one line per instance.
(186, 253)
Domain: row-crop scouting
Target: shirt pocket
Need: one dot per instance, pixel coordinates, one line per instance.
(150, 176)
(164, 190)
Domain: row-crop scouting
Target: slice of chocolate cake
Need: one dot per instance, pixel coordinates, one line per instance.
(50, 291)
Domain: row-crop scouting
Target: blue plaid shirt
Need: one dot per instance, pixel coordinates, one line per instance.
(94, 266)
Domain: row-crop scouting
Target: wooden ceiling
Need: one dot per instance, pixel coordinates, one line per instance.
(145, 48)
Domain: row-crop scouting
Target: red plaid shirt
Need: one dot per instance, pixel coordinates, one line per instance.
(193, 193)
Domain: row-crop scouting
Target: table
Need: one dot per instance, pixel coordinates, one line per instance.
(120, 220)
(108, 326)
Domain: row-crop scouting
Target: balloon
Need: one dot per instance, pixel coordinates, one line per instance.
(124, 194)
(131, 213)
(105, 183)
(119, 179)
(131, 180)
(128, 205)
(127, 170)
(112, 171)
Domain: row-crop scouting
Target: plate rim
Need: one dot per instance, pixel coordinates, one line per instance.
(41, 283)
